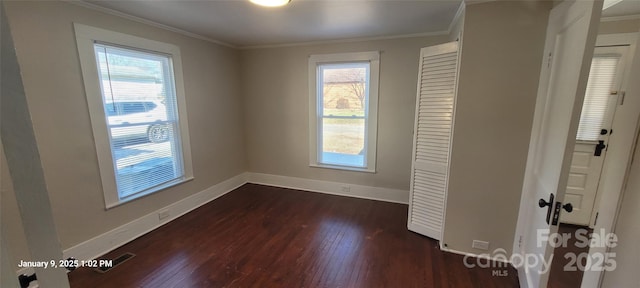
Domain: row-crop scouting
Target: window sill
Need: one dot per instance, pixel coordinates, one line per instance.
(149, 192)
(346, 168)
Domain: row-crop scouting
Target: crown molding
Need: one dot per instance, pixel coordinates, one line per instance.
(146, 21)
(620, 18)
(347, 40)
(280, 45)
(474, 2)
(456, 17)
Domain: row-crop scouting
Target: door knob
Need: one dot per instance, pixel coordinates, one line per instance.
(556, 214)
(542, 203)
(568, 207)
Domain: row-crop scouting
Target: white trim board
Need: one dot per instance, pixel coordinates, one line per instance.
(101, 244)
(25, 271)
(456, 17)
(124, 15)
(119, 236)
(489, 256)
(127, 16)
(474, 2)
(620, 18)
(344, 40)
(474, 255)
(333, 188)
(628, 39)
(617, 164)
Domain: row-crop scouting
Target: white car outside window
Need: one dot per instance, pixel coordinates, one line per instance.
(138, 121)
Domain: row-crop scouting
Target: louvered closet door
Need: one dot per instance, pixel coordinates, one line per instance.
(432, 138)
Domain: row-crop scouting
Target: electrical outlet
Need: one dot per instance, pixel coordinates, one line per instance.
(482, 245)
(163, 215)
(346, 189)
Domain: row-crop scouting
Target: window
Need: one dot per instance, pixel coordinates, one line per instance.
(599, 105)
(343, 110)
(137, 107)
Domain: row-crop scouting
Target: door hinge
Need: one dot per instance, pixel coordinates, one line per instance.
(622, 94)
(520, 241)
(549, 60)
(596, 220)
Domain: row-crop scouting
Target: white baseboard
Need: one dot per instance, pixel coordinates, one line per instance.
(101, 244)
(115, 238)
(333, 188)
(26, 271)
(474, 255)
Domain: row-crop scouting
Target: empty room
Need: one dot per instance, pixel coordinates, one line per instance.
(319, 143)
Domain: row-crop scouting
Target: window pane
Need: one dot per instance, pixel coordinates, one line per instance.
(344, 90)
(343, 142)
(344, 99)
(140, 106)
(598, 98)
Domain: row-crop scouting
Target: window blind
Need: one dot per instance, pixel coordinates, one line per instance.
(597, 101)
(138, 93)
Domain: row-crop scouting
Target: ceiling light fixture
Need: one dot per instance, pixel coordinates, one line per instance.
(270, 3)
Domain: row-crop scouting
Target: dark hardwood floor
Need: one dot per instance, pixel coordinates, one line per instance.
(260, 236)
(559, 278)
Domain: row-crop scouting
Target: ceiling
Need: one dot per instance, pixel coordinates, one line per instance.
(623, 8)
(242, 24)
(239, 23)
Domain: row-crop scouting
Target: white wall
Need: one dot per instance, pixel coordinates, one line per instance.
(627, 228)
(45, 44)
(275, 108)
(501, 57)
(276, 101)
(259, 99)
(628, 232)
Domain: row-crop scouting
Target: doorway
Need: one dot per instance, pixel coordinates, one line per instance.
(593, 177)
(603, 96)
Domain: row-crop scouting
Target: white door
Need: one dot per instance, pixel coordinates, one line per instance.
(601, 99)
(431, 138)
(571, 37)
(582, 185)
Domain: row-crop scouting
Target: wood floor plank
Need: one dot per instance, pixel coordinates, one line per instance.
(559, 278)
(261, 236)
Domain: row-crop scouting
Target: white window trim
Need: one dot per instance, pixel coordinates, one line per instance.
(373, 57)
(86, 36)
